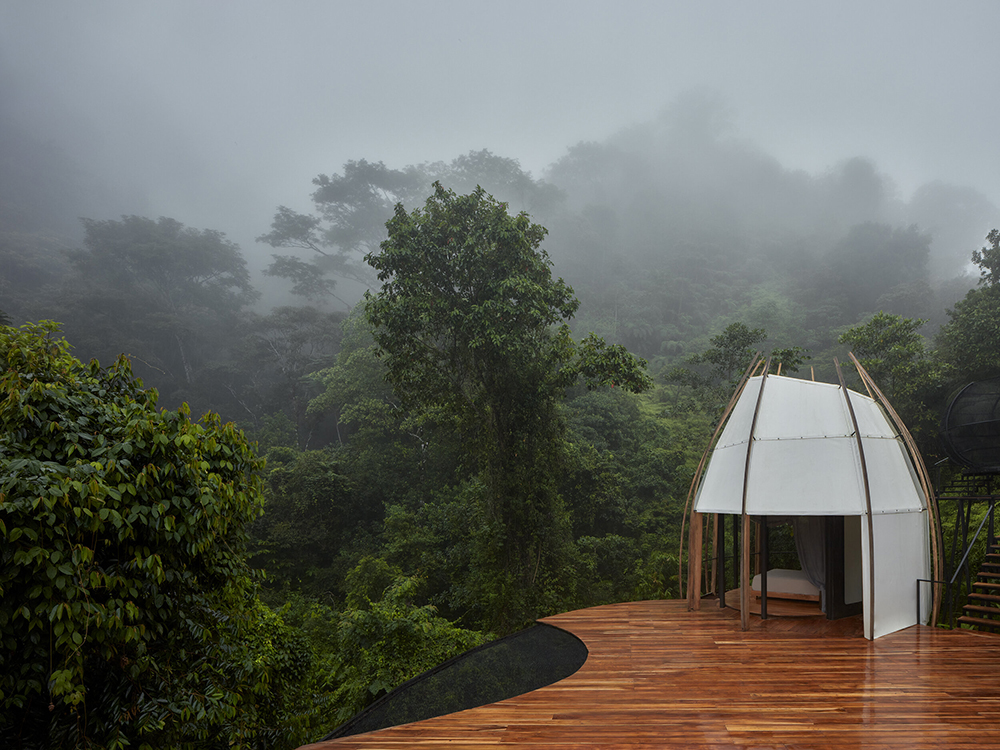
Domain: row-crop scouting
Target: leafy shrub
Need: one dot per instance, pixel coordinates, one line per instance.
(128, 615)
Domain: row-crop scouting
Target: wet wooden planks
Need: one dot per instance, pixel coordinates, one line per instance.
(659, 676)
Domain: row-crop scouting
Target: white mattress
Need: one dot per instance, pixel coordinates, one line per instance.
(781, 581)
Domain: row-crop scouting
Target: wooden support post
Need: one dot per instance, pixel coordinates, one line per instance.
(694, 563)
(715, 553)
(765, 554)
(722, 559)
(745, 576)
(755, 560)
(736, 551)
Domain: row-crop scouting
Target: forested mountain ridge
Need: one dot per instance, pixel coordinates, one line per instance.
(406, 514)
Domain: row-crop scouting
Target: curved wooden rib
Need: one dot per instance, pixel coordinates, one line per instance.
(696, 482)
(870, 634)
(745, 541)
(925, 482)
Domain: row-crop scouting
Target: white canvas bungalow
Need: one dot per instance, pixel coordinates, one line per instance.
(841, 468)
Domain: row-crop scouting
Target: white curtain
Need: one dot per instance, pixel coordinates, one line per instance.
(810, 543)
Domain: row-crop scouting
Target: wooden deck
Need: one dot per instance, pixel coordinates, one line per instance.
(659, 676)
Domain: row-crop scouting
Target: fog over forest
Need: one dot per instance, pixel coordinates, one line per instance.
(214, 114)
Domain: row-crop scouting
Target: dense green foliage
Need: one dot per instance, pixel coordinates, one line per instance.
(126, 606)
(384, 643)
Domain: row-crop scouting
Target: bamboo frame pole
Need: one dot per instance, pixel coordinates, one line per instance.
(696, 482)
(870, 634)
(864, 380)
(715, 554)
(757, 561)
(745, 566)
(694, 562)
(704, 531)
(744, 579)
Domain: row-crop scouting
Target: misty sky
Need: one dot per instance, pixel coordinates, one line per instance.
(214, 113)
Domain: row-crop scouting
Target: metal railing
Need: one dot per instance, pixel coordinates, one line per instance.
(955, 588)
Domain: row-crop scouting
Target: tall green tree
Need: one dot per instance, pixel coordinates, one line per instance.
(128, 615)
(501, 176)
(890, 348)
(712, 373)
(276, 354)
(167, 295)
(969, 341)
(471, 325)
(988, 260)
(352, 209)
(730, 353)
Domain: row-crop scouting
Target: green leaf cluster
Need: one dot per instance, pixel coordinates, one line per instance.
(128, 615)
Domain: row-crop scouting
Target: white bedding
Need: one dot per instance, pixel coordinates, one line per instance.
(781, 581)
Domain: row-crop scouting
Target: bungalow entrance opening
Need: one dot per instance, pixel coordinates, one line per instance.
(801, 565)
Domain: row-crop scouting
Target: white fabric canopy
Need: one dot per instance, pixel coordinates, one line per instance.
(804, 459)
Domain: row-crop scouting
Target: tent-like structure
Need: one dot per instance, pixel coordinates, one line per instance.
(794, 450)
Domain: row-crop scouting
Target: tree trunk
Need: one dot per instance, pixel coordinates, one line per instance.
(184, 360)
